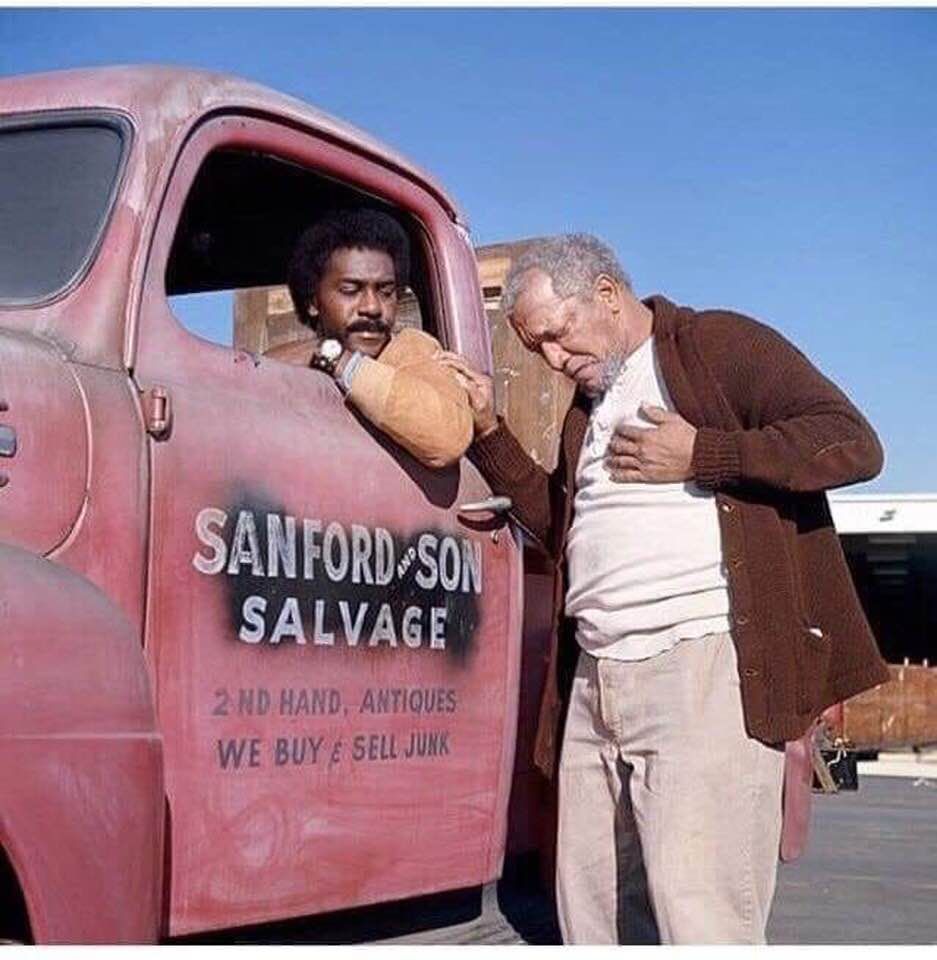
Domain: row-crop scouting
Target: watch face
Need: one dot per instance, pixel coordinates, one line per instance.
(331, 349)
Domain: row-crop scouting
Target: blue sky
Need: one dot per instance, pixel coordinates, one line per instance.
(780, 162)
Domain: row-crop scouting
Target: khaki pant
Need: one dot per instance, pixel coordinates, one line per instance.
(669, 813)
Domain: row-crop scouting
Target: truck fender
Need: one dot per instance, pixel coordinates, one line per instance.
(82, 808)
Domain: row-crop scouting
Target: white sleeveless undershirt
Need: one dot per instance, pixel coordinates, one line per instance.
(644, 559)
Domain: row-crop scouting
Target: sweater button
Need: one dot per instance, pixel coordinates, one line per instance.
(751, 672)
(736, 562)
(741, 620)
(726, 507)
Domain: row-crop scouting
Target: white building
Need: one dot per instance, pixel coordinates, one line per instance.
(890, 541)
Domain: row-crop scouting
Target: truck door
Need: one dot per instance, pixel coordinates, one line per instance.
(334, 646)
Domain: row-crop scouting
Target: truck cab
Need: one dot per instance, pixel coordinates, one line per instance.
(257, 662)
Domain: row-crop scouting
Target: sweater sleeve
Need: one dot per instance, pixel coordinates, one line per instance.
(415, 400)
(511, 472)
(801, 432)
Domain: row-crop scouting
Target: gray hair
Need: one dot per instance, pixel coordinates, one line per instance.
(572, 261)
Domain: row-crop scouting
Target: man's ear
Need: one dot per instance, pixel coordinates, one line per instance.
(311, 318)
(606, 290)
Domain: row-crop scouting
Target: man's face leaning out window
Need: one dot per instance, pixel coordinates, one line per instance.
(356, 299)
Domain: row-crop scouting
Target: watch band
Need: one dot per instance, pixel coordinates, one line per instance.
(348, 373)
(325, 364)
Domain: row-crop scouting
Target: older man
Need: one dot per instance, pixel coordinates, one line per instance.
(345, 279)
(704, 589)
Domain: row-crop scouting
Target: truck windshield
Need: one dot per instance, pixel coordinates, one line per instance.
(56, 188)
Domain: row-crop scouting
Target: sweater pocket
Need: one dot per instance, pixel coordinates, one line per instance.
(812, 651)
(812, 644)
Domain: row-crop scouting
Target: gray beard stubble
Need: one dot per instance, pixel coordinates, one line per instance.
(612, 366)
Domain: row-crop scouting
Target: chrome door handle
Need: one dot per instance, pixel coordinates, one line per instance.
(491, 505)
(157, 412)
(7, 441)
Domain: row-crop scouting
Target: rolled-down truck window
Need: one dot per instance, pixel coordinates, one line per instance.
(57, 185)
(226, 276)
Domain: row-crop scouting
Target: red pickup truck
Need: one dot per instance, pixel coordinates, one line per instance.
(256, 661)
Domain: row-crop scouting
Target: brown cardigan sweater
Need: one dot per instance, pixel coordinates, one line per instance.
(773, 435)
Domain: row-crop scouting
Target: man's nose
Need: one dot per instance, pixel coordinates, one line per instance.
(554, 355)
(370, 303)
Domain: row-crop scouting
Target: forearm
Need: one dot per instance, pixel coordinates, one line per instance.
(798, 431)
(807, 453)
(431, 425)
(511, 472)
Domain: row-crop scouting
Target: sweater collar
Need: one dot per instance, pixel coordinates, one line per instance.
(667, 323)
(665, 316)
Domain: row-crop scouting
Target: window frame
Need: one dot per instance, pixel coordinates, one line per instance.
(321, 155)
(78, 117)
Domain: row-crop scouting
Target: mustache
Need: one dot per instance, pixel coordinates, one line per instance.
(368, 326)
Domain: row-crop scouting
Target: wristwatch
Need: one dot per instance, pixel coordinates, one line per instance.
(326, 356)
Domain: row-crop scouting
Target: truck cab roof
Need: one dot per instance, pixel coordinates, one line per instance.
(165, 103)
